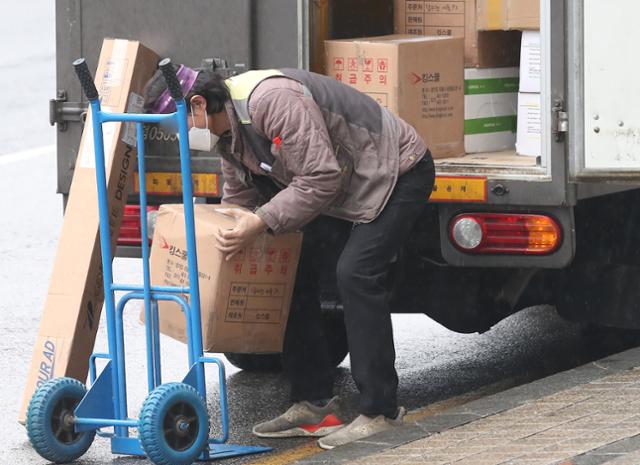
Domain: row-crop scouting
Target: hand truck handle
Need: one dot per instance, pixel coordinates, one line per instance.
(169, 74)
(86, 80)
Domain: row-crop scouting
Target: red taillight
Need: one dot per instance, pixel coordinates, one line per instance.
(499, 233)
(130, 230)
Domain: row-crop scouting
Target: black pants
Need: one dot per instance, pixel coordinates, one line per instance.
(361, 275)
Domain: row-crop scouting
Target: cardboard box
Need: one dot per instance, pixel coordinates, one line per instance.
(458, 18)
(531, 63)
(529, 141)
(418, 78)
(245, 301)
(74, 301)
(490, 109)
(504, 15)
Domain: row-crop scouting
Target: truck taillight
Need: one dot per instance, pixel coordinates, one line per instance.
(130, 230)
(505, 233)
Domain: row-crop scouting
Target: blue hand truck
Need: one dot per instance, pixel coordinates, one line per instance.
(173, 427)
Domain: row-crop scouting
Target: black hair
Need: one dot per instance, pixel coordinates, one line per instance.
(208, 84)
(212, 87)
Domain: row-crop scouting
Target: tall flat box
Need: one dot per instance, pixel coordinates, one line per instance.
(457, 18)
(531, 63)
(74, 301)
(490, 108)
(418, 78)
(497, 15)
(245, 301)
(529, 141)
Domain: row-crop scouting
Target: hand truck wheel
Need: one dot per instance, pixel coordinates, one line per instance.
(174, 425)
(50, 421)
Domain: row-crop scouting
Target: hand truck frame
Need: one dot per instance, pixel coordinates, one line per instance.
(173, 425)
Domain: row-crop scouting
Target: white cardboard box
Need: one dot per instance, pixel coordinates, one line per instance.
(530, 63)
(529, 141)
(491, 106)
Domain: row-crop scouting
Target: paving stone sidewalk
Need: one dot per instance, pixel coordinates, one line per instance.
(586, 416)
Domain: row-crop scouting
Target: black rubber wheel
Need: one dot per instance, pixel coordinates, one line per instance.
(337, 343)
(50, 421)
(174, 425)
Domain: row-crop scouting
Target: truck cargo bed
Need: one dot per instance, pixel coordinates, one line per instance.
(491, 163)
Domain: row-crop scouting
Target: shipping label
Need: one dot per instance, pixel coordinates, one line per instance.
(255, 303)
(87, 155)
(442, 18)
(261, 302)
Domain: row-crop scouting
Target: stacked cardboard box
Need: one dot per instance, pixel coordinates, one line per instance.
(498, 15)
(529, 140)
(418, 78)
(484, 49)
(490, 108)
(73, 304)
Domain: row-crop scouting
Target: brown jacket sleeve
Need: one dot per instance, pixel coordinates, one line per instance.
(306, 152)
(235, 192)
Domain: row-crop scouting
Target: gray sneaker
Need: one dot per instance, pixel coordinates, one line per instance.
(302, 419)
(360, 428)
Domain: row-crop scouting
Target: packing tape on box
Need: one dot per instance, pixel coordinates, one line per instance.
(496, 14)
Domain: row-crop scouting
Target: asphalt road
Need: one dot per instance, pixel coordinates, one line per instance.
(434, 364)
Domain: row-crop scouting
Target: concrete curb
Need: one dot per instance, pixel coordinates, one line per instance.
(488, 406)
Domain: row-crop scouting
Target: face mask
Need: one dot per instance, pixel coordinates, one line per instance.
(201, 138)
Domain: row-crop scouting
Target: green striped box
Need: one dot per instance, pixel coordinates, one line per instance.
(491, 108)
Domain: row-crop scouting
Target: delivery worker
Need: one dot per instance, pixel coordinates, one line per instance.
(297, 147)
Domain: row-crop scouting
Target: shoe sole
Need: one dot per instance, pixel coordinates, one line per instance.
(300, 432)
(325, 446)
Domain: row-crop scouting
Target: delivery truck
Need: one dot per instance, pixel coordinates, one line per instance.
(502, 232)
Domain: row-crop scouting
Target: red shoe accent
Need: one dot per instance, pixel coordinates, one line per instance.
(329, 420)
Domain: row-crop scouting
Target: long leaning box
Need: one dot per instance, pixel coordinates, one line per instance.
(75, 297)
(244, 301)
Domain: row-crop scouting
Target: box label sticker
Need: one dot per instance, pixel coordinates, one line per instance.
(255, 302)
(88, 156)
(459, 189)
(436, 17)
(135, 105)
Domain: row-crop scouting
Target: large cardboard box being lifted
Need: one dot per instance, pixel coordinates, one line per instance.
(458, 18)
(75, 297)
(498, 15)
(244, 301)
(421, 79)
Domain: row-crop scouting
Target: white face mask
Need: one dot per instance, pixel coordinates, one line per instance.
(201, 138)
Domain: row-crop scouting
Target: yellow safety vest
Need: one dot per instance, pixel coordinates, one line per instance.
(241, 87)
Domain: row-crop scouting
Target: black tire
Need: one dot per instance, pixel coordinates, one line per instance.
(337, 343)
(50, 419)
(174, 425)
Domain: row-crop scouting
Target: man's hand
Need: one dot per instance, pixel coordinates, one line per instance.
(248, 227)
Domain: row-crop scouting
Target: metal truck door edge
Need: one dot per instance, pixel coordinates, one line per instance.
(604, 105)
